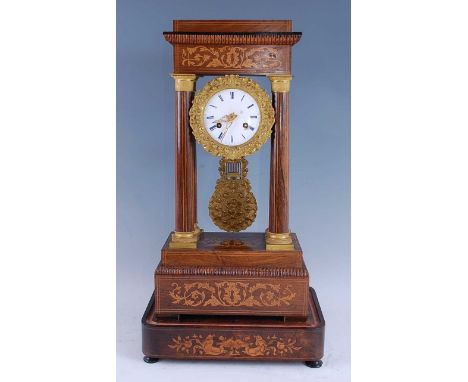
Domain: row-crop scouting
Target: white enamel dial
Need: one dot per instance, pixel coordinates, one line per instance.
(232, 117)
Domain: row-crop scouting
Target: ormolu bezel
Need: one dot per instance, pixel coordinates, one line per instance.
(267, 116)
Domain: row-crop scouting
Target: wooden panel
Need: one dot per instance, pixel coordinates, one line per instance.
(201, 294)
(225, 59)
(232, 25)
(230, 338)
(220, 249)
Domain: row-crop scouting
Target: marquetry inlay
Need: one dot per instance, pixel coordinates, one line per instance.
(231, 293)
(231, 57)
(253, 346)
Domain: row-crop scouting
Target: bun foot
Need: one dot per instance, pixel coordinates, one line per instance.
(150, 359)
(313, 364)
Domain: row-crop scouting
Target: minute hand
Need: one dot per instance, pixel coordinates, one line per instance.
(228, 125)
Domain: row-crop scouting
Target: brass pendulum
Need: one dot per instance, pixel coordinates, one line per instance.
(232, 206)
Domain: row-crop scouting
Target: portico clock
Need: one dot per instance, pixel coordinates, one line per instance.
(231, 294)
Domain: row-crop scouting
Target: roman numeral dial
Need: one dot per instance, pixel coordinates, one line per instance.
(232, 117)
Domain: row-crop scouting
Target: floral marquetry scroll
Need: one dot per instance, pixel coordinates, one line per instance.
(268, 291)
(231, 57)
(252, 346)
(231, 294)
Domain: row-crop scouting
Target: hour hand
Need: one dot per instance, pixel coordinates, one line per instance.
(222, 119)
(227, 118)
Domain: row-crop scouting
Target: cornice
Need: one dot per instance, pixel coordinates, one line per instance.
(218, 38)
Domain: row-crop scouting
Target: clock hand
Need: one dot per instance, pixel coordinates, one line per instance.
(229, 123)
(223, 134)
(226, 118)
(232, 117)
(221, 120)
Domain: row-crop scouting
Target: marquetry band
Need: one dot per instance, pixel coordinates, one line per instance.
(184, 82)
(280, 83)
(255, 346)
(231, 294)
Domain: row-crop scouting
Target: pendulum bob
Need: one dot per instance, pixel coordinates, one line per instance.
(232, 206)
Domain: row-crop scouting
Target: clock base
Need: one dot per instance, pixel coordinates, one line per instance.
(247, 338)
(232, 274)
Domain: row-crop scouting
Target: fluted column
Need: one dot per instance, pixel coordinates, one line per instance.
(186, 230)
(278, 235)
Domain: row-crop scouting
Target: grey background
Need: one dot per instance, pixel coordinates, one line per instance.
(319, 172)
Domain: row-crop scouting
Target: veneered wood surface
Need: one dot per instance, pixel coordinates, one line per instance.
(226, 337)
(192, 168)
(219, 249)
(244, 47)
(204, 59)
(231, 295)
(232, 25)
(279, 166)
(185, 167)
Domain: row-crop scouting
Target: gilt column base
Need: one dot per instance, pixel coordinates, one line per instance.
(278, 241)
(185, 239)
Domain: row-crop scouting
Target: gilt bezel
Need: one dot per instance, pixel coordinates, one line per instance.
(267, 116)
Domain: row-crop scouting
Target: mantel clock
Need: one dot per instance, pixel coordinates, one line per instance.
(232, 294)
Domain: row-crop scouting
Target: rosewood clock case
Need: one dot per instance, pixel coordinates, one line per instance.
(242, 295)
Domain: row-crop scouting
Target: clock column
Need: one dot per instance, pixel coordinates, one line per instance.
(186, 231)
(278, 236)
